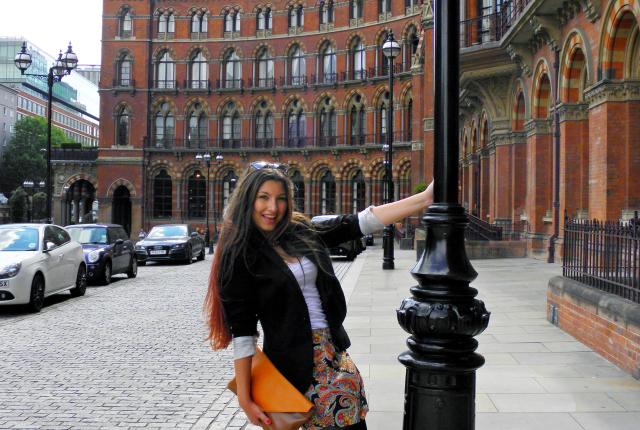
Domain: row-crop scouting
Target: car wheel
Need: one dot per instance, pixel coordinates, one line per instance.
(189, 258)
(133, 268)
(351, 255)
(201, 255)
(106, 275)
(81, 283)
(142, 263)
(37, 294)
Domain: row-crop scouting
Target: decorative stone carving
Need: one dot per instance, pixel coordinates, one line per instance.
(591, 9)
(537, 126)
(606, 91)
(417, 146)
(548, 28)
(427, 14)
(522, 55)
(428, 124)
(573, 111)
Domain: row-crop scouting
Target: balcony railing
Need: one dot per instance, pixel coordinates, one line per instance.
(492, 25)
(197, 84)
(229, 84)
(79, 154)
(168, 143)
(165, 84)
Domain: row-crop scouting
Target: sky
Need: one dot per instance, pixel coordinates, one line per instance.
(51, 25)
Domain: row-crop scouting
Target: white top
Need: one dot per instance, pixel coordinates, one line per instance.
(306, 274)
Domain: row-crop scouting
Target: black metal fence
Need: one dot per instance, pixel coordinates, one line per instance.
(605, 255)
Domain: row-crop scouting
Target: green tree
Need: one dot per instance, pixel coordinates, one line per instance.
(18, 205)
(39, 205)
(24, 157)
(419, 187)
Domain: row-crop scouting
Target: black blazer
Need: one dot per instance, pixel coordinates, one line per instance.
(262, 288)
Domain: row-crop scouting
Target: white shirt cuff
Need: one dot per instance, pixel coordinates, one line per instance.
(244, 346)
(369, 223)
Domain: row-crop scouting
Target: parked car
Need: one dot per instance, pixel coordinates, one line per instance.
(171, 242)
(349, 249)
(107, 250)
(36, 261)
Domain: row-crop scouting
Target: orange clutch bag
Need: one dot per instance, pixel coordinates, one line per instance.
(287, 408)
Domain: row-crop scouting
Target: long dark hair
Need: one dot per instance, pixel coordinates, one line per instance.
(292, 233)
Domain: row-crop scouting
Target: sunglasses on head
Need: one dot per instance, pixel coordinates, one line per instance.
(258, 165)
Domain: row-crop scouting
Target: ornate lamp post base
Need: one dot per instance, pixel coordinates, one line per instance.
(442, 317)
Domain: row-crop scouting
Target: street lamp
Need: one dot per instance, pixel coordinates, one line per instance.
(390, 49)
(443, 315)
(206, 157)
(63, 66)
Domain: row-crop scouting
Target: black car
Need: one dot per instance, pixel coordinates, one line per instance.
(171, 242)
(107, 251)
(349, 249)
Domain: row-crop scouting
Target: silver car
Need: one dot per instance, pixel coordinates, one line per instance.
(36, 261)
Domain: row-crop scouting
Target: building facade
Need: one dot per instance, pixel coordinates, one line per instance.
(549, 101)
(8, 113)
(304, 83)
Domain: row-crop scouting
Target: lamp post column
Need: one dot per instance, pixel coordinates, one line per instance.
(49, 118)
(443, 315)
(390, 48)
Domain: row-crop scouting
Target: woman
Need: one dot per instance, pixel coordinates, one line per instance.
(272, 265)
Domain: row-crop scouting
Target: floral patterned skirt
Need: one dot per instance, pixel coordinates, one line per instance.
(337, 390)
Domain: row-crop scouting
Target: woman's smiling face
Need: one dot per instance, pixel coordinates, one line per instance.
(270, 205)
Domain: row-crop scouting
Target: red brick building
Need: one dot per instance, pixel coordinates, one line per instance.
(300, 82)
(514, 56)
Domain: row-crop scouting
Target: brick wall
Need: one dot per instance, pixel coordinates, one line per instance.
(606, 323)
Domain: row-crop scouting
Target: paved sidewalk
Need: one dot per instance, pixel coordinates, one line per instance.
(535, 376)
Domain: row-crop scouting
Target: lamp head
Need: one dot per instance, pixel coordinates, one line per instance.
(219, 158)
(199, 157)
(390, 47)
(22, 59)
(58, 67)
(206, 157)
(70, 59)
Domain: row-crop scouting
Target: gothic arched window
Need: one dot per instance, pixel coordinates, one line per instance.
(327, 125)
(196, 195)
(328, 55)
(298, 191)
(162, 195)
(164, 130)
(125, 24)
(264, 69)
(231, 131)
(232, 70)
(357, 192)
(263, 126)
(358, 60)
(297, 126)
(123, 127)
(165, 71)
(198, 71)
(124, 70)
(357, 121)
(297, 67)
(197, 127)
(199, 24)
(327, 193)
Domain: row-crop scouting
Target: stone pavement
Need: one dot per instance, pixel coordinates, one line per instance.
(133, 355)
(535, 377)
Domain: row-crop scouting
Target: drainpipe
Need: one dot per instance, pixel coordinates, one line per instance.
(556, 161)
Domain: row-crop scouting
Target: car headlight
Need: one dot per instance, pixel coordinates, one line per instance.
(93, 256)
(140, 248)
(10, 271)
(178, 246)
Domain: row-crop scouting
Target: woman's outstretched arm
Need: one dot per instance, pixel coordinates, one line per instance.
(400, 209)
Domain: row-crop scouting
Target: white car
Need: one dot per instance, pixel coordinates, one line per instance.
(36, 261)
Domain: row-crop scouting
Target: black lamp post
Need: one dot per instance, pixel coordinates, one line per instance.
(206, 157)
(443, 315)
(61, 67)
(219, 159)
(390, 49)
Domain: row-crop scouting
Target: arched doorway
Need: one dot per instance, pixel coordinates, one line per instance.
(122, 208)
(77, 203)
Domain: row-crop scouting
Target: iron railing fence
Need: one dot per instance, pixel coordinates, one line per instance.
(75, 154)
(482, 230)
(494, 23)
(171, 143)
(605, 255)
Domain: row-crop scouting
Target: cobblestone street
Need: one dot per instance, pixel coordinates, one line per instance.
(127, 355)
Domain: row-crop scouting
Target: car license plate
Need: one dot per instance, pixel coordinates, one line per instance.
(4, 284)
(157, 252)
